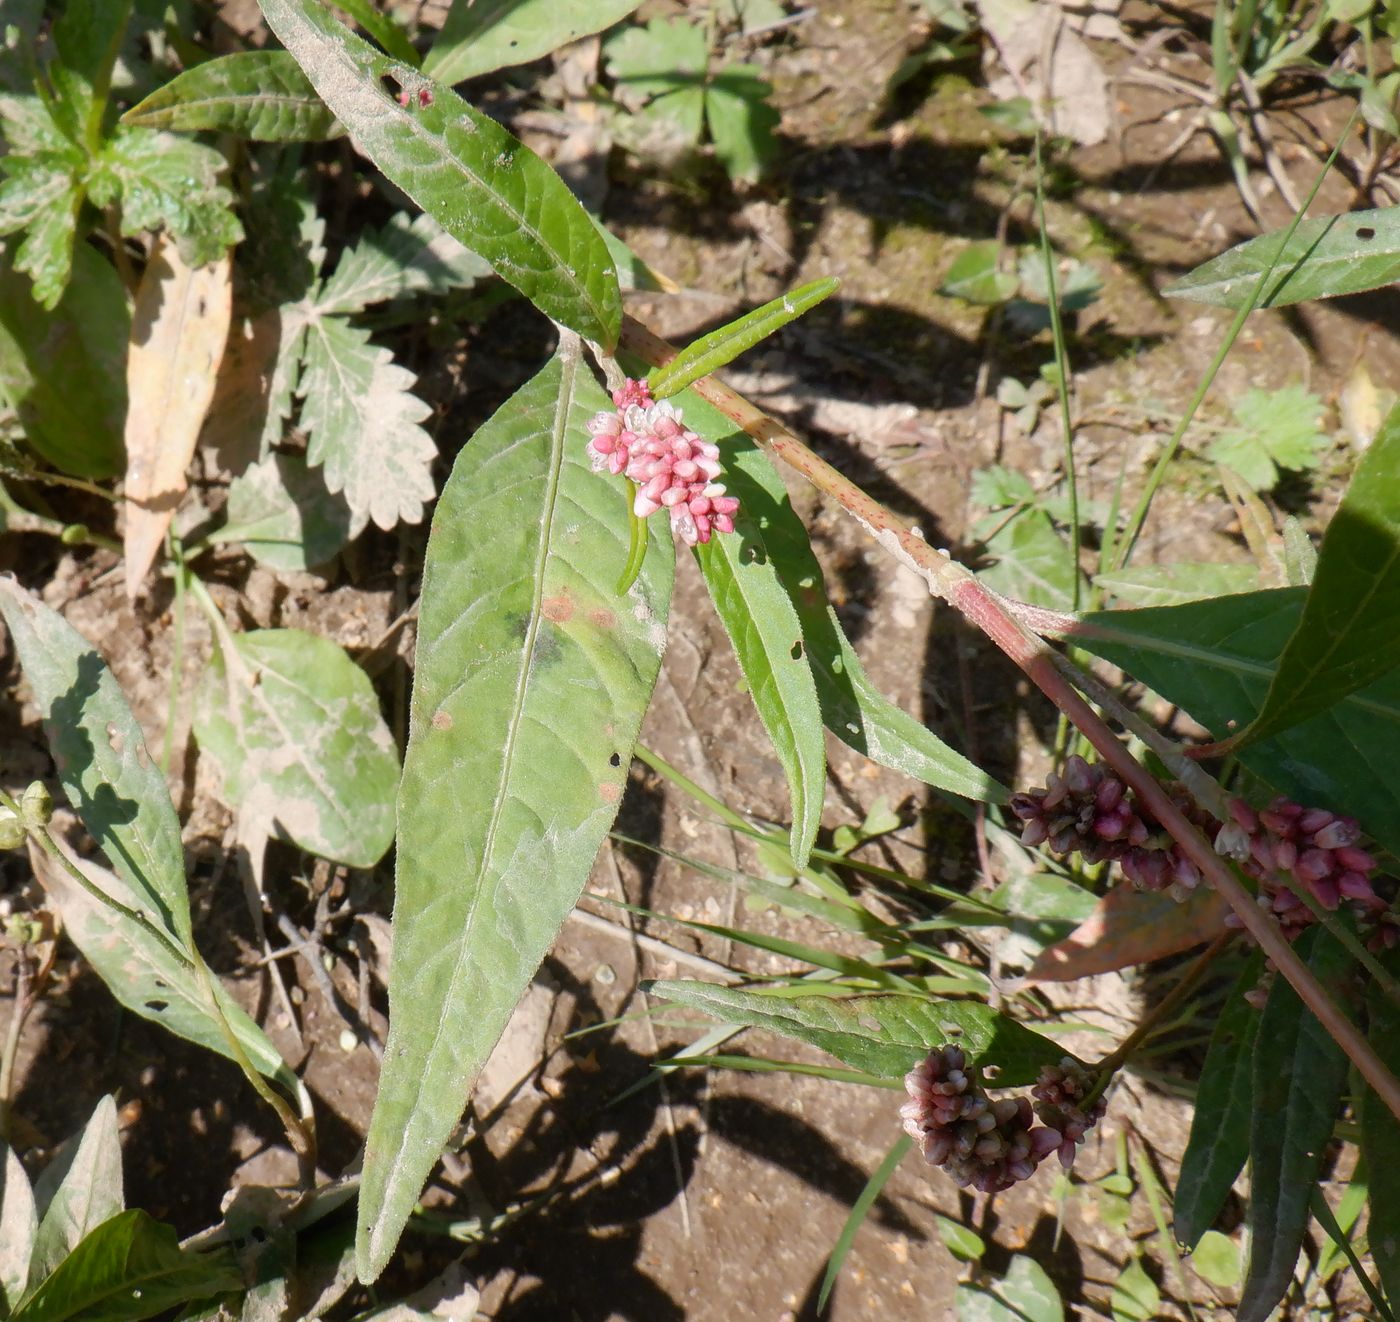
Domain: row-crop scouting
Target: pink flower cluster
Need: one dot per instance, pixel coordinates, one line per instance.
(991, 1145)
(674, 469)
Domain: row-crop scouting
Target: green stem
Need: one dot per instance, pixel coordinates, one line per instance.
(637, 545)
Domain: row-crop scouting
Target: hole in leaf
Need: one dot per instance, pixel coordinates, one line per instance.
(797, 650)
(157, 1006)
(615, 760)
(1365, 232)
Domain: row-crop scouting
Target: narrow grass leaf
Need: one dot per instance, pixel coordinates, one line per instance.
(477, 181)
(1219, 1141)
(1346, 636)
(711, 352)
(480, 36)
(127, 1268)
(1216, 660)
(860, 1209)
(1299, 1073)
(1380, 1145)
(879, 1033)
(100, 754)
(531, 682)
(293, 725)
(261, 95)
(852, 708)
(1325, 257)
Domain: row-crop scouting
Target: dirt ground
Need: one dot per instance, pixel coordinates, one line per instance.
(724, 1192)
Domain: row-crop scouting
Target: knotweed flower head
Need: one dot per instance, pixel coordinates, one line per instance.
(674, 469)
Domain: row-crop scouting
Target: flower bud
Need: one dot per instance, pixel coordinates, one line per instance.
(12, 832)
(36, 805)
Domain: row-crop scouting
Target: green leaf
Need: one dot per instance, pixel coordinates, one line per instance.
(1278, 429)
(852, 708)
(479, 183)
(741, 120)
(532, 677)
(1215, 659)
(1170, 585)
(294, 727)
(762, 624)
(1299, 1074)
(409, 255)
(18, 1224)
(1219, 1143)
(480, 36)
(100, 755)
(130, 1267)
(711, 352)
(1135, 1295)
(42, 353)
(860, 1209)
(976, 278)
(160, 181)
(144, 976)
(89, 1194)
(362, 420)
(666, 54)
(1032, 560)
(383, 28)
(1325, 257)
(262, 95)
(281, 511)
(1347, 637)
(1217, 1260)
(42, 194)
(959, 1240)
(1380, 1145)
(882, 1034)
(1027, 1294)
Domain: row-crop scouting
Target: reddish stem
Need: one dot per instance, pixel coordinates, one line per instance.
(956, 585)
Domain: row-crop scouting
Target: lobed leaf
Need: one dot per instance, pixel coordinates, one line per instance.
(42, 195)
(1219, 1142)
(100, 755)
(262, 95)
(480, 36)
(282, 513)
(741, 120)
(294, 727)
(879, 1033)
(1325, 257)
(1346, 636)
(477, 181)
(532, 677)
(362, 421)
(43, 352)
(1299, 1074)
(711, 352)
(127, 1268)
(1216, 660)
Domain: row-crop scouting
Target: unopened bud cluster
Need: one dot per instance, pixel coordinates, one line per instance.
(1086, 809)
(987, 1144)
(674, 469)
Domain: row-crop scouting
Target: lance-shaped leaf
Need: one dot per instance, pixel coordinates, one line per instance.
(532, 676)
(19, 1223)
(479, 36)
(711, 352)
(362, 419)
(1299, 1074)
(43, 353)
(262, 95)
(100, 755)
(129, 1267)
(1347, 636)
(294, 726)
(1325, 257)
(1216, 659)
(143, 975)
(89, 1194)
(759, 617)
(1219, 1142)
(178, 335)
(1380, 1143)
(478, 182)
(880, 1034)
(852, 708)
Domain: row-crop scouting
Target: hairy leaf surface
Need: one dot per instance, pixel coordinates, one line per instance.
(408, 255)
(532, 677)
(18, 1224)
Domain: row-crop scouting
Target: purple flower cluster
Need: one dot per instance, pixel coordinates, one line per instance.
(985, 1144)
(674, 469)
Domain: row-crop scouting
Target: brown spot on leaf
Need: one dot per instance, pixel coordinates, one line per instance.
(558, 608)
(442, 720)
(608, 792)
(603, 618)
